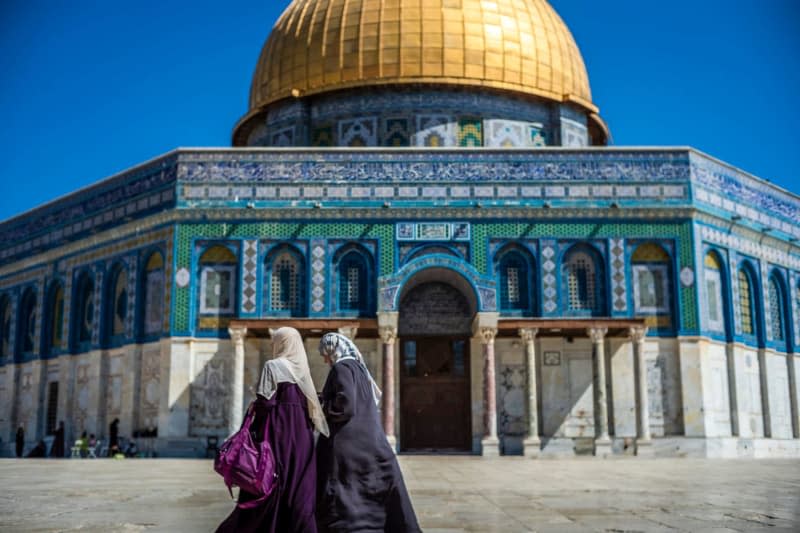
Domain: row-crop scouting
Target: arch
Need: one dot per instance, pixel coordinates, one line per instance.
(218, 275)
(514, 272)
(83, 311)
(354, 267)
(480, 292)
(284, 284)
(152, 299)
(748, 301)
(26, 324)
(779, 316)
(54, 319)
(582, 281)
(115, 303)
(717, 299)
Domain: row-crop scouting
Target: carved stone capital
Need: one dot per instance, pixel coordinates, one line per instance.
(237, 334)
(637, 334)
(388, 334)
(597, 334)
(528, 334)
(349, 331)
(487, 335)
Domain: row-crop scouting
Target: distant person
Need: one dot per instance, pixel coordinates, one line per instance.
(359, 483)
(113, 436)
(287, 410)
(58, 442)
(40, 450)
(92, 440)
(84, 444)
(20, 440)
(131, 450)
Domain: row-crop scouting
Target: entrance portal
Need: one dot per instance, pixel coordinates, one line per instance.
(434, 331)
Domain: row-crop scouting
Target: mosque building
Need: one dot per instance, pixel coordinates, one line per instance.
(432, 179)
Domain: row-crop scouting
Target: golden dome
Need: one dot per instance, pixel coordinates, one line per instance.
(324, 45)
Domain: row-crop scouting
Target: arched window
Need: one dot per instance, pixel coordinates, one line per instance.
(5, 326)
(651, 288)
(353, 278)
(777, 309)
(286, 274)
(582, 284)
(54, 326)
(217, 281)
(513, 281)
(746, 300)
(153, 312)
(83, 312)
(116, 303)
(26, 323)
(714, 293)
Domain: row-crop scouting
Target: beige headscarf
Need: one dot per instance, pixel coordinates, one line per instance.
(289, 363)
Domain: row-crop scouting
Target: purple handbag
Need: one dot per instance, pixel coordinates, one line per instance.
(248, 464)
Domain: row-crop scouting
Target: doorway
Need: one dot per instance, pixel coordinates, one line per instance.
(434, 392)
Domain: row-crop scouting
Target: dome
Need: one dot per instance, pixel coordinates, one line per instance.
(521, 46)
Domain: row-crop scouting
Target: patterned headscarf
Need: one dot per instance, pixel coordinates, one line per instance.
(338, 347)
(290, 364)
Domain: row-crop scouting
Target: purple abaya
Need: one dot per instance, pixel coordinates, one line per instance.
(290, 508)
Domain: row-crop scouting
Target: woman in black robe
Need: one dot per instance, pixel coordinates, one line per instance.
(360, 486)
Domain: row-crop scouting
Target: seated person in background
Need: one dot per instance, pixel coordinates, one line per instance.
(40, 450)
(92, 441)
(131, 450)
(84, 444)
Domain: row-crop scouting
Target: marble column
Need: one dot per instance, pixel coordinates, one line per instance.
(602, 442)
(490, 442)
(532, 444)
(388, 336)
(643, 439)
(349, 331)
(236, 403)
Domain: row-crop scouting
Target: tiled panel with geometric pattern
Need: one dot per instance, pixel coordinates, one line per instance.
(619, 295)
(249, 276)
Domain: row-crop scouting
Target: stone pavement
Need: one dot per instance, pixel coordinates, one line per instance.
(450, 494)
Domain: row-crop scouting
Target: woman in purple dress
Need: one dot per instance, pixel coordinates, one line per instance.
(360, 486)
(288, 409)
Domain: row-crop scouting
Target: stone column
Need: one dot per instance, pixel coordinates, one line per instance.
(793, 394)
(388, 337)
(236, 404)
(602, 442)
(643, 439)
(490, 442)
(531, 445)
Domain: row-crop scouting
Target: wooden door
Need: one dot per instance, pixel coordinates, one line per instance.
(435, 395)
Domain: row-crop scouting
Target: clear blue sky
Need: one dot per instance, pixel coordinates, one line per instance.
(89, 88)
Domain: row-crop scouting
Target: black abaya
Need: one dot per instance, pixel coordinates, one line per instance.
(360, 486)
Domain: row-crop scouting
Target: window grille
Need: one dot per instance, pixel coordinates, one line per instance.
(353, 296)
(775, 310)
(581, 283)
(285, 294)
(746, 303)
(512, 285)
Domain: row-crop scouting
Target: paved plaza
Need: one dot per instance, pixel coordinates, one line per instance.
(450, 494)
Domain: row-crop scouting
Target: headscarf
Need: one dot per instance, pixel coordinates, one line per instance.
(338, 347)
(289, 363)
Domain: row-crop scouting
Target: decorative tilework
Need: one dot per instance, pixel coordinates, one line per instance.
(794, 298)
(470, 132)
(505, 133)
(549, 279)
(130, 317)
(358, 132)
(537, 136)
(283, 137)
(397, 132)
(619, 295)
(249, 275)
(322, 136)
(765, 299)
(435, 131)
(750, 247)
(98, 295)
(318, 279)
(733, 279)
